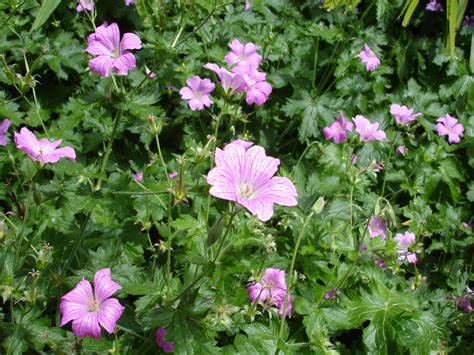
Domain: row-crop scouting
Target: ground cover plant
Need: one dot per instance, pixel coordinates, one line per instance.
(255, 177)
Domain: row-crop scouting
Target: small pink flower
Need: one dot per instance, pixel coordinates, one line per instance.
(434, 6)
(138, 176)
(449, 126)
(332, 294)
(173, 174)
(243, 55)
(248, 5)
(406, 240)
(354, 159)
(464, 302)
(257, 90)
(337, 130)
(197, 92)
(85, 5)
(271, 289)
(246, 177)
(401, 150)
(149, 73)
(379, 262)
(129, 2)
(88, 310)
(368, 131)
(230, 82)
(377, 226)
(369, 58)
(402, 114)
(467, 226)
(44, 150)
(166, 346)
(3, 131)
(112, 54)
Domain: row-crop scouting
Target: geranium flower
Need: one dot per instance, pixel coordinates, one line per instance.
(44, 150)
(248, 5)
(464, 302)
(449, 126)
(243, 55)
(405, 241)
(3, 131)
(369, 58)
(257, 90)
(403, 114)
(197, 92)
(401, 150)
(166, 346)
(85, 5)
(368, 131)
(89, 310)
(337, 130)
(246, 177)
(332, 294)
(434, 6)
(138, 176)
(112, 54)
(129, 2)
(377, 226)
(271, 289)
(230, 82)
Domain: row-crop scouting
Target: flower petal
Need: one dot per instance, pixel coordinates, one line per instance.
(104, 287)
(87, 325)
(109, 313)
(130, 41)
(74, 304)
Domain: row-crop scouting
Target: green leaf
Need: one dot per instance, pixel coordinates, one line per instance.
(46, 9)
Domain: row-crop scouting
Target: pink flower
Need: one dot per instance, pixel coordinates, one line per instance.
(243, 55)
(271, 289)
(337, 130)
(88, 310)
(368, 131)
(230, 82)
(167, 346)
(369, 58)
(405, 241)
(377, 226)
(112, 55)
(434, 6)
(85, 5)
(197, 92)
(149, 73)
(138, 176)
(246, 177)
(379, 262)
(43, 150)
(467, 226)
(248, 5)
(332, 294)
(401, 150)
(464, 302)
(257, 88)
(449, 126)
(403, 114)
(3, 131)
(129, 2)
(173, 174)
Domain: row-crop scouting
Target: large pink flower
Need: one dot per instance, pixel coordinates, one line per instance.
(3, 131)
(451, 127)
(88, 310)
(368, 57)
(43, 150)
(246, 177)
(368, 131)
(197, 92)
(112, 54)
(337, 130)
(243, 54)
(403, 114)
(271, 289)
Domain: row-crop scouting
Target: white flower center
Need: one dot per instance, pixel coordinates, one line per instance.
(93, 305)
(246, 190)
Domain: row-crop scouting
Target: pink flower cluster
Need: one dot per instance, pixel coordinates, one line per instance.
(367, 131)
(271, 290)
(244, 174)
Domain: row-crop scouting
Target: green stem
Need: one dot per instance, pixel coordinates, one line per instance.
(290, 278)
(221, 242)
(162, 161)
(108, 149)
